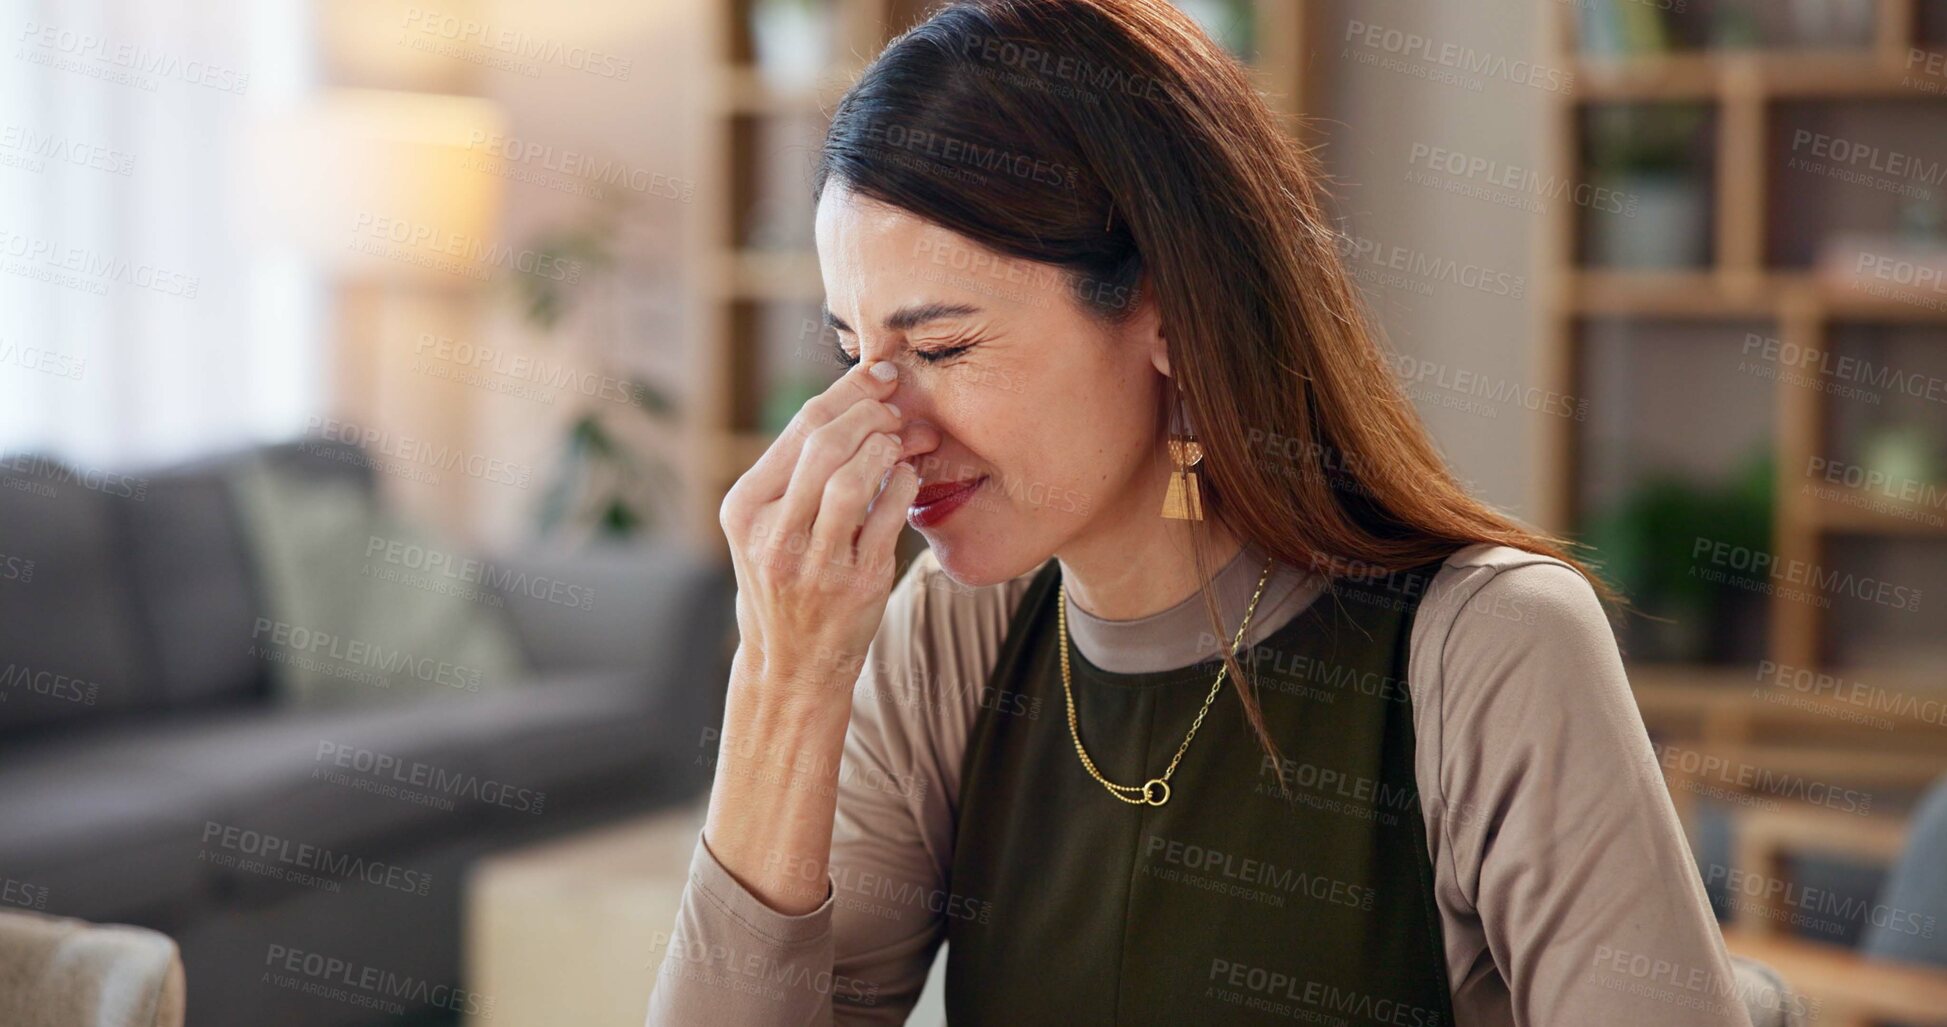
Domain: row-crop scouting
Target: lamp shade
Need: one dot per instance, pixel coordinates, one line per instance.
(383, 185)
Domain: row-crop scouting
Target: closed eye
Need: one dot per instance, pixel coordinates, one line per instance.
(844, 359)
(934, 356)
(931, 356)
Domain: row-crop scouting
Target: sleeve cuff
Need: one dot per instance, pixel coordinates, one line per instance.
(729, 896)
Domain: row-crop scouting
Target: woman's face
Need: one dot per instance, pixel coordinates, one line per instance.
(1007, 384)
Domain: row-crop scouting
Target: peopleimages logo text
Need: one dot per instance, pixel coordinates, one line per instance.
(352, 652)
(424, 775)
(516, 43)
(303, 856)
(1770, 566)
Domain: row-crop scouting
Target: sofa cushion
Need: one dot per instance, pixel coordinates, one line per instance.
(338, 625)
(663, 606)
(567, 730)
(70, 650)
(97, 836)
(194, 585)
(203, 799)
(276, 773)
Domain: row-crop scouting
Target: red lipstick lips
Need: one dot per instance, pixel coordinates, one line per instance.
(937, 501)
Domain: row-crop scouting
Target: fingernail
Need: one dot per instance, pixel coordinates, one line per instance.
(884, 370)
(894, 407)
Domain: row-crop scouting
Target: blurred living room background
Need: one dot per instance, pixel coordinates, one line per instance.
(371, 372)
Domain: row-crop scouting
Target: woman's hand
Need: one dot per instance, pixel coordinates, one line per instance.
(812, 538)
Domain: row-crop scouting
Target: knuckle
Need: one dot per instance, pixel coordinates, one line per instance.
(732, 513)
(823, 446)
(803, 427)
(844, 489)
(820, 409)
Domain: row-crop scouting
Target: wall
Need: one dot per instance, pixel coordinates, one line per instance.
(1382, 101)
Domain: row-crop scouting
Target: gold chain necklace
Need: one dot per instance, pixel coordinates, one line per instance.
(1156, 790)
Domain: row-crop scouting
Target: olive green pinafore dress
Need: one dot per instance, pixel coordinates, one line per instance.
(1230, 903)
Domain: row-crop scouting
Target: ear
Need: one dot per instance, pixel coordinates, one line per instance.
(1149, 323)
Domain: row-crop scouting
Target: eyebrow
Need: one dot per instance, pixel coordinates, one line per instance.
(907, 318)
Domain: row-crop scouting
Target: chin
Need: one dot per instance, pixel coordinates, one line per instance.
(976, 559)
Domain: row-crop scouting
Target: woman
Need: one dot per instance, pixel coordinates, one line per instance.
(1215, 699)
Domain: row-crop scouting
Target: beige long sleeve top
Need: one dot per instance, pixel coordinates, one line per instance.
(1567, 893)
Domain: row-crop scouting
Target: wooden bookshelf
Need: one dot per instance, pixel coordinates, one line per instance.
(1846, 988)
(1742, 88)
(1818, 74)
(734, 279)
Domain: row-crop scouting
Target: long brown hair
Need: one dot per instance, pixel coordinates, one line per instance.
(1115, 140)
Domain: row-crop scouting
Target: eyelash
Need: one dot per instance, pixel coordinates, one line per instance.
(932, 356)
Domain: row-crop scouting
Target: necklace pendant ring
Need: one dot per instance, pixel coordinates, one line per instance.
(1152, 787)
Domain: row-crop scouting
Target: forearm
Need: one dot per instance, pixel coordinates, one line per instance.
(775, 794)
(753, 939)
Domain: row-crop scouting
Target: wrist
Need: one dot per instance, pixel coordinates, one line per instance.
(814, 674)
(787, 710)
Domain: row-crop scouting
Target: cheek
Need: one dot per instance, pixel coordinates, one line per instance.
(1079, 423)
(987, 414)
(1067, 443)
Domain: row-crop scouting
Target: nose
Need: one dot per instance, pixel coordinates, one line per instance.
(918, 432)
(920, 435)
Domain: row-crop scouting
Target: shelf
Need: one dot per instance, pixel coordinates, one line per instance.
(1843, 983)
(1860, 512)
(1692, 683)
(1841, 303)
(1704, 76)
(1691, 700)
(1815, 830)
(1856, 726)
(1699, 293)
(1847, 763)
(1729, 704)
(778, 275)
(1707, 293)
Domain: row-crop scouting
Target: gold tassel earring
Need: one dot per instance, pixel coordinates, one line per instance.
(1184, 500)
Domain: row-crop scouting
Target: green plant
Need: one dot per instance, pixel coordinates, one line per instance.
(1646, 541)
(1644, 138)
(600, 482)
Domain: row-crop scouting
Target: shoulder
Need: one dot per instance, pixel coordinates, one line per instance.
(1502, 597)
(1513, 666)
(1513, 652)
(1511, 642)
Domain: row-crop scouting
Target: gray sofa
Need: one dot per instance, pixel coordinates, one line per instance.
(144, 767)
